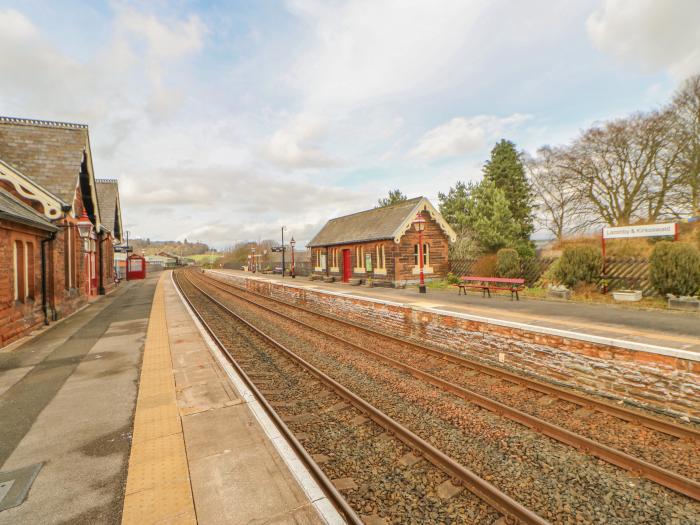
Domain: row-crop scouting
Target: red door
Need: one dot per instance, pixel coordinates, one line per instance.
(346, 266)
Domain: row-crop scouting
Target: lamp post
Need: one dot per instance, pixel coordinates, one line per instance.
(283, 228)
(253, 257)
(419, 225)
(292, 243)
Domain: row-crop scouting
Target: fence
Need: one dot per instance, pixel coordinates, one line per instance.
(628, 272)
(531, 269)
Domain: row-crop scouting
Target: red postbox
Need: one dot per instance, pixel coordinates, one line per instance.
(135, 267)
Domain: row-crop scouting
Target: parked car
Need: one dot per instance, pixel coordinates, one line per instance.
(277, 269)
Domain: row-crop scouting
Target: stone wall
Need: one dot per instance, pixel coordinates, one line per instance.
(666, 383)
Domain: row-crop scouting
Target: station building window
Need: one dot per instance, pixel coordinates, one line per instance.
(69, 258)
(334, 259)
(381, 260)
(359, 259)
(23, 270)
(426, 255)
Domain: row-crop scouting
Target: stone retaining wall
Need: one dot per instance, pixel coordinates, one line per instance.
(670, 384)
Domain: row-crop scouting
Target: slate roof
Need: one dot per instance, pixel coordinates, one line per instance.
(108, 203)
(14, 210)
(370, 225)
(49, 153)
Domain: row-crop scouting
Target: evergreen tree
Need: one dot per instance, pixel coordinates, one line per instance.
(481, 212)
(454, 207)
(395, 196)
(490, 219)
(506, 172)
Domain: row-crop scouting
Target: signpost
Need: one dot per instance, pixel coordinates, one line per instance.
(666, 229)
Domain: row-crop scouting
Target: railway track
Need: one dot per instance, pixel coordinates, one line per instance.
(381, 461)
(658, 474)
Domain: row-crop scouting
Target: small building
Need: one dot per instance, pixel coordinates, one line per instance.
(383, 244)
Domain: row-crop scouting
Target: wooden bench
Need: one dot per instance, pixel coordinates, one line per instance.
(486, 284)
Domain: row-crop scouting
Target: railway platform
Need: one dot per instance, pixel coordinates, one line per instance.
(122, 414)
(653, 328)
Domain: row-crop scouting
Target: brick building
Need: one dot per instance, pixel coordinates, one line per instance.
(111, 231)
(48, 185)
(382, 244)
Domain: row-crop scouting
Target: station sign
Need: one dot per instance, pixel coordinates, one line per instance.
(644, 230)
(123, 249)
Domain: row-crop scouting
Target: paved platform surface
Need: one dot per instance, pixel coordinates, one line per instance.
(67, 400)
(199, 454)
(677, 330)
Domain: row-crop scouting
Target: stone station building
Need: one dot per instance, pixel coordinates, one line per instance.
(47, 184)
(382, 244)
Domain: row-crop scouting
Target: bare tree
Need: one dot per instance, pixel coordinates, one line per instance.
(626, 168)
(560, 208)
(685, 110)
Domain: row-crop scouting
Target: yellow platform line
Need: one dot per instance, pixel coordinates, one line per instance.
(158, 486)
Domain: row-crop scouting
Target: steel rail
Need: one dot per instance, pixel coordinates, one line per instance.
(459, 473)
(333, 495)
(640, 467)
(646, 420)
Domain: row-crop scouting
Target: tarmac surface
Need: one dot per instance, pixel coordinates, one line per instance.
(123, 413)
(672, 329)
(67, 401)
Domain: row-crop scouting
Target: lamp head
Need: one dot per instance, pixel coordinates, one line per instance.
(419, 222)
(84, 226)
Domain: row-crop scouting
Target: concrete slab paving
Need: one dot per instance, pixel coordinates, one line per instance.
(236, 473)
(73, 409)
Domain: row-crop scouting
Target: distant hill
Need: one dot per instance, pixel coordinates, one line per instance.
(184, 248)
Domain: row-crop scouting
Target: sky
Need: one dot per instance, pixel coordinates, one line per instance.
(225, 120)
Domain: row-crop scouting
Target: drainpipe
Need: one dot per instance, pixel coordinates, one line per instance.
(44, 302)
(328, 272)
(100, 240)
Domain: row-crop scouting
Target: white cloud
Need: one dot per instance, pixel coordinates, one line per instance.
(169, 40)
(463, 135)
(370, 50)
(654, 34)
(297, 144)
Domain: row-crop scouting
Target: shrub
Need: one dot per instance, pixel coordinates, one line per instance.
(675, 268)
(452, 278)
(507, 263)
(578, 264)
(484, 266)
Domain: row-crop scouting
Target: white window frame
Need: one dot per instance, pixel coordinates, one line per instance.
(334, 260)
(25, 247)
(426, 259)
(360, 260)
(380, 267)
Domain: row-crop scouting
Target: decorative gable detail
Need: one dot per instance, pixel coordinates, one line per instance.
(424, 205)
(51, 205)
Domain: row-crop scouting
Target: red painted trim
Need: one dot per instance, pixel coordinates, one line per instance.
(509, 280)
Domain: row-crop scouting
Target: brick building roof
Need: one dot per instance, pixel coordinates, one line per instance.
(389, 222)
(49, 153)
(14, 210)
(108, 203)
